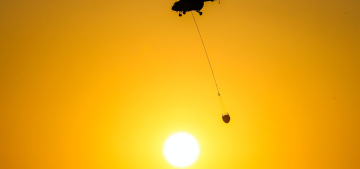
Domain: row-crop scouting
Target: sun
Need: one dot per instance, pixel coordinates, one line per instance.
(181, 149)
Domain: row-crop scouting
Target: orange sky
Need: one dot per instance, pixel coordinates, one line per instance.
(102, 84)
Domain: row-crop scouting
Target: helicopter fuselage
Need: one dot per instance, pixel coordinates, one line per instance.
(183, 6)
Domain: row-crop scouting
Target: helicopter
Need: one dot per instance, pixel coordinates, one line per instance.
(183, 6)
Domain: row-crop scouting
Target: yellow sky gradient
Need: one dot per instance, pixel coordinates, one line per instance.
(102, 84)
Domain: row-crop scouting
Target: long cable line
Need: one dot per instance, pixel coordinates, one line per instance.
(225, 114)
(206, 53)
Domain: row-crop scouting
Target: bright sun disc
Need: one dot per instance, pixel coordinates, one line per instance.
(181, 149)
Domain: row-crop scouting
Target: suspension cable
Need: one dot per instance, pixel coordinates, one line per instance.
(206, 53)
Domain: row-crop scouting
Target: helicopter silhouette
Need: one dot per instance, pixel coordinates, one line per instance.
(183, 6)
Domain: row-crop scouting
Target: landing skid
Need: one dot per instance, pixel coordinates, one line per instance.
(184, 12)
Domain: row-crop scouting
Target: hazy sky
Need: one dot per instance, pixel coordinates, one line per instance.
(102, 84)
